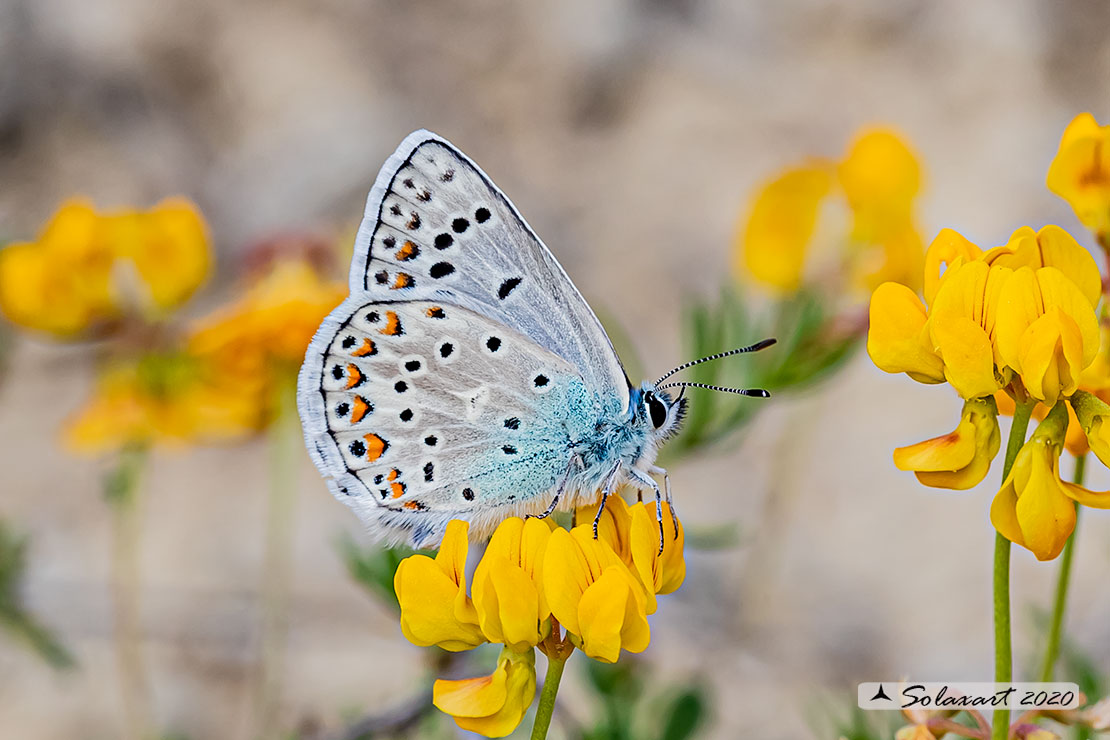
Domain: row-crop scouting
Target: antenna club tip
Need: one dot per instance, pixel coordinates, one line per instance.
(766, 343)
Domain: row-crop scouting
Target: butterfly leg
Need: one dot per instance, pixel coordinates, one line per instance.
(656, 470)
(641, 477)
(558, 491)
(605, 491)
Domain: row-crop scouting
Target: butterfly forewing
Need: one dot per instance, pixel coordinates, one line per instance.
(436, 227)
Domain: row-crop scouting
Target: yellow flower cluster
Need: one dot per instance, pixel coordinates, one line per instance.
(224, 383)
(262, 337)
(1080, 174)
(532, 578)
(170, 399)
(1019, 318)
(877, 181)
(87, 269)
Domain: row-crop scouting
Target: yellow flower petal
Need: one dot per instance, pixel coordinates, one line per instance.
(435, 609)
(961, 459)
(1080, 172)
(880, 177)
(948, 249)
(773, 243)
(493, 705)
(897, 339)
(1034, 508)
(611, 617)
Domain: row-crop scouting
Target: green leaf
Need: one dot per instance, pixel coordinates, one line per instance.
(685, 714)
(14, 617)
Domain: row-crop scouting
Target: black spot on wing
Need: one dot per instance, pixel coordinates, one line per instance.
(508, 287)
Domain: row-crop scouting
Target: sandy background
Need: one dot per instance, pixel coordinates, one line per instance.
(630, 134)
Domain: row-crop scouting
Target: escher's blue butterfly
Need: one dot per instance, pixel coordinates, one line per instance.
(465, 377)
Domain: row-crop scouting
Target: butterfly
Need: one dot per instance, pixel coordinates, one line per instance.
(465, 377)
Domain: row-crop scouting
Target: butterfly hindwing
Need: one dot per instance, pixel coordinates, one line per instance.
(437, 228)
(425, 412)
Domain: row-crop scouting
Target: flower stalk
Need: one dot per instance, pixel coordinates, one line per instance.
(1003, 650)
(121, 490)
(557, 648)
(1063, 579)
(284, 440)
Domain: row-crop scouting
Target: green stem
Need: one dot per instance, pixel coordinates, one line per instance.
(284, 436)
(1003, 651)
(121, 490)
(1063, 579)
(555, 664)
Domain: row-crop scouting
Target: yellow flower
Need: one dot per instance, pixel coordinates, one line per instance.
(86, 270)
(1050, 247)
(633, 533)
(491, 705)
(1034, 507)
(914, 732)
(273, 323)
(172, 399)
(435, 609)
(880, 177)
(1080, 172)
(961, 323)
(948, 252)
(876, 182)
(168, 245)
(1094, 418)
(959, 460)
(659, 572)
(898, 338)
(1048, 331)
(780, 226)
(594, 595)
(508, 593)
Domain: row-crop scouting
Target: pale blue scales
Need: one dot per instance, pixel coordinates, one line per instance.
(465, 377)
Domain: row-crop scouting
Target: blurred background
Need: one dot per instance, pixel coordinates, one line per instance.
(632, 135)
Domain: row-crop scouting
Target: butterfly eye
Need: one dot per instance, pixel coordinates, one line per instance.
(657, 409)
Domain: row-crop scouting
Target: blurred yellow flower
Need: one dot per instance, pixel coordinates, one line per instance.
(778, 231)
(268, 330)
(508, 592)
(876, 183)
(435, 608)
(492, 705)
(172, 399)
(961, 459)
(87, 270)
(1080, 173)
(594, 595)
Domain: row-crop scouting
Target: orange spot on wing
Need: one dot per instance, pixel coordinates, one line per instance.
(435, 312)
(392, 326)
(393, 474)
(367, 348)
(398, 489)
(404, 280)
(361, 408)
(375, 446)
(354, 376)
(412, 505)
(407, 252)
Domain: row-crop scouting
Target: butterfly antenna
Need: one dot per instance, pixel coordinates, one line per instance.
(753, 392)
(720, 355)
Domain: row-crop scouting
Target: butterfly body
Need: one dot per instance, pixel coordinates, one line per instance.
(465, 377)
